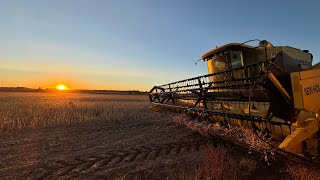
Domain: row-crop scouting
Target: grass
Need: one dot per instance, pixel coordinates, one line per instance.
(31, 110)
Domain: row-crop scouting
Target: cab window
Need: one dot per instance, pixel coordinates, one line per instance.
(220, 63)
(236, 59)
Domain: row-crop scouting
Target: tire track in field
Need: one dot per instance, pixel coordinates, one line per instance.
(176, 131)
(136, 136)
(132, 133)
(92, 130)
(94, 134)
(116, 161)
(160, 130)
(148, 171)
(155, 128)
(28, 138)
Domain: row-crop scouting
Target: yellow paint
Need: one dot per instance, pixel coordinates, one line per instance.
(300, 134)
(306, 90)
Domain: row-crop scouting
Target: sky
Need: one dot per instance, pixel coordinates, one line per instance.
(136, 44)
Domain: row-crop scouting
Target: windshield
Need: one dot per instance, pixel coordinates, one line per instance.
(224, 61)
(219, 63)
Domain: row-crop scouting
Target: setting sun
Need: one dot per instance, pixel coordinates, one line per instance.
(61, 87)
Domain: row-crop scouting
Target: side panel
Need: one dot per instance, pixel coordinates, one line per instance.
(296, 90)
(293, 57)
(306, 90)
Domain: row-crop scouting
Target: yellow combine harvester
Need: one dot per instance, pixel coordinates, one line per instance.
(273, 89)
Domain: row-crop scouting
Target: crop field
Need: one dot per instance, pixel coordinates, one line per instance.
(71, 136)
(92, 136)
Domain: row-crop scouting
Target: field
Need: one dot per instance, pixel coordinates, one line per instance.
(75, 136)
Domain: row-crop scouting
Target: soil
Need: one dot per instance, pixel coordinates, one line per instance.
(120, 148)
(130, 149)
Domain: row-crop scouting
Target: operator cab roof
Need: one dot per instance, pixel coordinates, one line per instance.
(226, 47)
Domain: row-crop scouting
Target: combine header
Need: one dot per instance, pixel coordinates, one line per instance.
(272, 89)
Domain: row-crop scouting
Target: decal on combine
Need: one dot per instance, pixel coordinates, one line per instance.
(313, 89)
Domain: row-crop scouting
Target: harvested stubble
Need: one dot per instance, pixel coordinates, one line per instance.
(218, 163)
(239, 134)
(242, 135)
(31, 110)
(300, 172)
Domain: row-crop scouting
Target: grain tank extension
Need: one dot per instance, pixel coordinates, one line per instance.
(273, 89)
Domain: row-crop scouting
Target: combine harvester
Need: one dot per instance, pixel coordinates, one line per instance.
(271, 89)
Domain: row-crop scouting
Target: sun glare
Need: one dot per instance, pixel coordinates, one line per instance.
(61, 87)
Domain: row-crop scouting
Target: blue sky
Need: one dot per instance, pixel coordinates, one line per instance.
(126, 44)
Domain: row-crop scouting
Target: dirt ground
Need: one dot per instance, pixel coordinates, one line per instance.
(117, 137)
(116, 149)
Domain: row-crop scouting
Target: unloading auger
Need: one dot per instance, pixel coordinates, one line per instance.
(273, 89)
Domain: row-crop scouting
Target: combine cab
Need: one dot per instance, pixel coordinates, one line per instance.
(269, 88)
